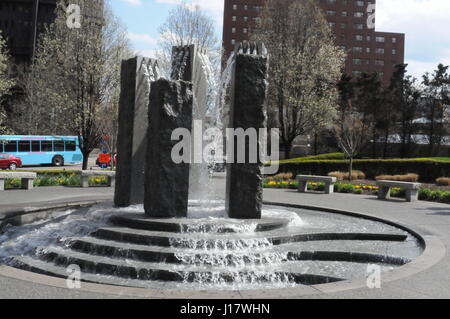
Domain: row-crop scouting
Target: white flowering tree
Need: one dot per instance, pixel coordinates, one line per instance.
(73, 84)
(305, 67)
(5, 83)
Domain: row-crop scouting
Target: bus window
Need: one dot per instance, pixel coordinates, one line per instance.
(24, 146)
(35, 146)
(47, 146)
(59, 146)
(11, 147)
(71, 146)
(1, 147)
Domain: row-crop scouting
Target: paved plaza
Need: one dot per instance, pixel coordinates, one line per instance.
(427, 218)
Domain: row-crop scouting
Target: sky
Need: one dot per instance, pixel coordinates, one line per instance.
(425, 22)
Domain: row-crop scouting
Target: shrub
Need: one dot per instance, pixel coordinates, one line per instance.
(358, 191)
(346, 188)
(401, 178)
(281, 177)
(443, 181)
(345, 175)
(372, 167)
(328, 156)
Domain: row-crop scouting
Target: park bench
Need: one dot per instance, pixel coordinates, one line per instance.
(412, 189)
(86, 174)
(304, 179)
(26, 177)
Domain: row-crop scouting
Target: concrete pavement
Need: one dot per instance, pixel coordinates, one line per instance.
(429, 219)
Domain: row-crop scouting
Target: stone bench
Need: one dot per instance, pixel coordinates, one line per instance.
(412, 189)
(26, 177)
(304, 179)
(86, 174)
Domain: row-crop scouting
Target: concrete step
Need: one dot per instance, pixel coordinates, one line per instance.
(132, 269)
(210, 241)
(179, 225)
(149, 253)
(101, 247)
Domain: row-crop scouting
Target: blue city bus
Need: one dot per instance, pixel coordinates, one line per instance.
(38, 150)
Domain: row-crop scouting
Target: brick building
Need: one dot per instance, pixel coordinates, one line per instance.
(367, 50)
(21, 21)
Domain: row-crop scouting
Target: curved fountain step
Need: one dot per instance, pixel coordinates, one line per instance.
(178, 225)
(116, 249)
(148, 253)
(159, 271)
(353, 257)
(50, 269)
(145, 237)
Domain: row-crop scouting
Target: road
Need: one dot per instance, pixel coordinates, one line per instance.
(91, 164)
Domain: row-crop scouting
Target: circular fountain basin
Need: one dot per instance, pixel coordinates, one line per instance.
(288, 247)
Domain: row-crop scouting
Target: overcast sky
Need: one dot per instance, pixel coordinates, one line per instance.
(426, 24)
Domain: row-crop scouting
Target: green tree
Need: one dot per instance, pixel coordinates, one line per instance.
(369, 102)
(305, 67)
(435, 107)
(402, 97)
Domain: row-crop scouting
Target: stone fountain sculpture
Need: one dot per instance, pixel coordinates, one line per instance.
(136, 75)
(170, 105)
(244, 188)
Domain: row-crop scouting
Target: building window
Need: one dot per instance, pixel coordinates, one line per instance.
(394, 52)
(359, 26)
(358, 14)
(344, 13)
(359, 37)
(245, 30)
(233, 30)
(357, 49)
(379, 51)
(379, 62)
(380, 39)
(331, 1)
(245, 7)
(356, 73)
(368, 38)
(332, 24)
(394, 40)
(343, 25)
(367, 50)
(233, 41)
(234, 6)
(359, 3)
(245, 19)
(331, 13)
(233, 19)
(357, 61)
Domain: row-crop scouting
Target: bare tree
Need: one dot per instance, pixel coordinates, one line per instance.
(305, 66)
(74, 77)
(188, 24)
(6, 83)
(352, 133)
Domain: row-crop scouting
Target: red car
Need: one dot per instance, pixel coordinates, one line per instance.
(9, 161)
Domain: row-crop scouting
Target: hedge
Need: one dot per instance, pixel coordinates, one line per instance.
(428, 170)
